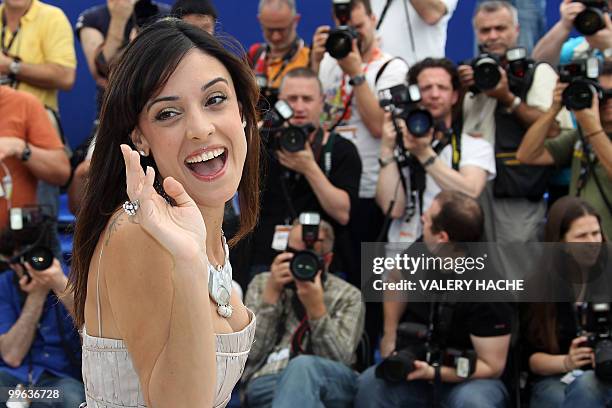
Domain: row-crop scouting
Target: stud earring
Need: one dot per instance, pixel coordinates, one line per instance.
(244, 123)
(142, 153)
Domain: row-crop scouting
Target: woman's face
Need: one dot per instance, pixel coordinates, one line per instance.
(584, 230)
(193, 129)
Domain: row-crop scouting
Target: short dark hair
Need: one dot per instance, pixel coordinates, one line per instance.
(182, 8)
(444, 63)
(366, 4)
(302, 72)
(460, 216)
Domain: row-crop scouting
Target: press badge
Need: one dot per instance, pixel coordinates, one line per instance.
(571, 376)
(463, 367)
(281, 237)
(16, 219)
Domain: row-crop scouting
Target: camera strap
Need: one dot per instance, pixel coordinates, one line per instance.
(587, 167)
(407, 13)
(259, 59)
(5, 49)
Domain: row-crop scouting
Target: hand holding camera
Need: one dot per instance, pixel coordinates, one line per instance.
(351, 64)
(33, 280)
(569, 9)
(602, 39)
(318, 45)
(280, 274)
(310, 294)
(578, 355)
(302, 161)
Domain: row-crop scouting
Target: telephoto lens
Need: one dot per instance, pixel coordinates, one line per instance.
(486, 72)
(305, 265)
(39, 258)
(340, 40)
(591, 19)
(293, 138)
(603, 359)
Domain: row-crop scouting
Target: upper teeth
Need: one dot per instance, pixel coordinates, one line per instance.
(202, 157)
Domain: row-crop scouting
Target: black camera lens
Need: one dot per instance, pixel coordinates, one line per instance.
(293, 139)
(486, 73)
(396, 367)
(305, 265)
(578, 95)
(603, 359)
(419, 122)
(589, 21)
(39, 258)
(340, 42)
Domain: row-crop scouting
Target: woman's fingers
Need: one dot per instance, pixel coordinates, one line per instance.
(176, 190)
(133, 172)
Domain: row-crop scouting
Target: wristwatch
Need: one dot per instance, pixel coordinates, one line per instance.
(357, 80)
(26, 153)
(515, 104)
(386, 161)
(15, 67)
(430, 160)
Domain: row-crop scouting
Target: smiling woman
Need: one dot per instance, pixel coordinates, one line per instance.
(148, 278)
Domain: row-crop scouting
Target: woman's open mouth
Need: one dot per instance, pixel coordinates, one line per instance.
(209, 164)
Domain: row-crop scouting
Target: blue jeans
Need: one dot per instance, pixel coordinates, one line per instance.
(588, 391)
(73, 392)
(375, 392)
(307, 381)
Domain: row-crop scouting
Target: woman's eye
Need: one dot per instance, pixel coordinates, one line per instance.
(215, 100)
(166, 114)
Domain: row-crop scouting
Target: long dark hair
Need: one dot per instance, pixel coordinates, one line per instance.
(542, 325)
(141, 72)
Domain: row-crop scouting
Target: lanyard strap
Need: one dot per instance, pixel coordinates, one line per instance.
(6, 49)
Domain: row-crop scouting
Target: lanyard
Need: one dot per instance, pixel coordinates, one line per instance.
(261, 65)
(5, 50)
(346, 98)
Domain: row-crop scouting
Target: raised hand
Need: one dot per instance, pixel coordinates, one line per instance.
(180, 229)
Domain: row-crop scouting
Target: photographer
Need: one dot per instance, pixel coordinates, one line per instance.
(444, 160)
(422, 25)
(282, 50)
(483, 328)
(508, 92)
(353, 68)
(39, 345)
(106, 29)
(588, 149)
(307, 330)
(30, 151)
(555, 47)
(569, 361)
(321, 174)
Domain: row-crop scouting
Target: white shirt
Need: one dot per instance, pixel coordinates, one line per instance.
(353, 128)
(474, 152)
(429, 40)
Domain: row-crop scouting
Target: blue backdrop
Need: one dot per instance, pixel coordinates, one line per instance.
(237, 17)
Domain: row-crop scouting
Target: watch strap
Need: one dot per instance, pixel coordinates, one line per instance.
(430, 160)
(384, 162)
(357, 80)
(26, 153)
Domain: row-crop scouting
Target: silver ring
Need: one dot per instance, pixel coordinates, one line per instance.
(131, 207)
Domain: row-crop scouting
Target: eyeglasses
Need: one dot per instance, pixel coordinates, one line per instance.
(268, 31)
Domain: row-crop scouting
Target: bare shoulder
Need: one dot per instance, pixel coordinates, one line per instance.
(137, 272)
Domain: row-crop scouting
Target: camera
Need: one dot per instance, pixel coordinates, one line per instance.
(598, 330)
(305, 264)
(268, 96)
(403, 102)
(145, 12)
(37, 256)
(340, 41)
(278, 133)
(582, 77)
(591, 19)
(486, 68)
(410, 346)
(486, 71)
(416, 341)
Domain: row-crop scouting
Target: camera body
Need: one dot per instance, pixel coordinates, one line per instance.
(598, 330)
(278, 133)
(591, 19)
(305, 265)
(403, 102)
(486, 69)
(268, 96)
(340, 41)
(144, 12)
(582, 77)
(414, 343)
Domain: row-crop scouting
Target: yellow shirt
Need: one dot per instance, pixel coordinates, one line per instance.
(300, 59)
(45, 36)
